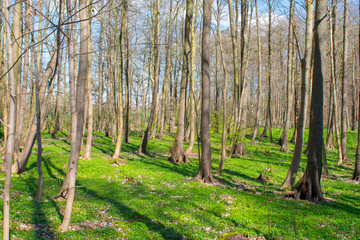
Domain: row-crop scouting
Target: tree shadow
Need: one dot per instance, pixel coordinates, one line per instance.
(42, 226)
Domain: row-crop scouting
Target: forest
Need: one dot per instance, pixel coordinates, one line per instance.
(180, 119)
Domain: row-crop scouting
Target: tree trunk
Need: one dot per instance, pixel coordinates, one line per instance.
(224, 93)
(21, 100)
(356, 174)
(127, 75)
(38, 124)
(120, 87)
(268, 115)
(177, 152)
(155, 93)
(305, 77)
(167, 76)
(87, 150)
(309, 185)
(344, 76)
(259, 77)
(333, 80)
(9, 153)
(285, 135)
(77, 107)
(204, 174)
(192, 85)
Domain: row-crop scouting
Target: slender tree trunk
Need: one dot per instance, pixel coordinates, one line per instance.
(309, 185)
(87, 150)
(120, 87)
(77, 109)
(38, 125)
(333, 82)
(356, 174)
(177, 153)
(285, 135)
(224, 93)
(259, 77)
(155, 94)
(127, 74)
(21, 100)
(268, 115)
(9, 154)
(167, 75)
(192, 84)
(305, 77)
(344, 76)
(204, 174)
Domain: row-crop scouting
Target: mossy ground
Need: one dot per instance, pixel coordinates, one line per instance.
(147, 197)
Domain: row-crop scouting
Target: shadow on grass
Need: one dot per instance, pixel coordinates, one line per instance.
(126, 212)
(42, 225)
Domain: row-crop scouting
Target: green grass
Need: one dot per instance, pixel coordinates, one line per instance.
(147, 197)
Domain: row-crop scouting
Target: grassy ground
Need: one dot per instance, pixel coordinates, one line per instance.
(146, 197)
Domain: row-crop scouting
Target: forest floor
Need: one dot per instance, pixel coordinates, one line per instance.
(147, 197)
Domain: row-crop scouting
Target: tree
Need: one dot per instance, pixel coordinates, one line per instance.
(344, 79)
(90, 118)
(356, 174)
(9, 154)
(155, 80)
(285, 135)
(259, 76)
(177, 153)
(77, 103)
(309, 185)
(268, 113)
(223, 137)
(167, 74)
(204, 173)
(305, 77)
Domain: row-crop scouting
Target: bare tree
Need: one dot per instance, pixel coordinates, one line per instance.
(305, 77)
(77, 104)
(9, 154)
(259, 76)
(155, 80)
(356, 174)
(309, 185)
(344, 80)
(285, 135)
(177, 153)
(204, 174)
(224, 93)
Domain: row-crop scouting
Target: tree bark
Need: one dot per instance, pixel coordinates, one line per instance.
(77, 108)
(90, 120)
(192, 85)
(309, 185)
(167, 75)
(120, 87)
(9, 154)
(333, 80)
(204, 173)
(305, 77)
(268, 115)
(259, 77)
(356, 174)
(155, 91)
(344, 77)
(224, 93)
(21, 99)
(177, 152)
(285, 135)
